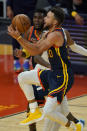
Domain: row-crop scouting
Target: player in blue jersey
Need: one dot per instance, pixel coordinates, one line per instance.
(58, 80)
(34, 34)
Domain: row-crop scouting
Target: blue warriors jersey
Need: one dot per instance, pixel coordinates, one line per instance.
(33, 35)
(59, 79)
(58, 56)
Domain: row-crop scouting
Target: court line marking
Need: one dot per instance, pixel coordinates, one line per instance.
(26, 111)
(78, 105)
(77, 97)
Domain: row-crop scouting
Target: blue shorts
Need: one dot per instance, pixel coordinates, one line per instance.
(57, 83)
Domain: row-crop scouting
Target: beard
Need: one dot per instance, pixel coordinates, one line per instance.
(47, 27)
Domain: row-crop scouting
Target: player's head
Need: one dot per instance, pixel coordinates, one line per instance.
(77, 2)
(38, 18)
(55, 17)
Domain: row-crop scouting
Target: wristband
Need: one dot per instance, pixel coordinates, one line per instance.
(19, 37)
(24, 51)
(74, 13)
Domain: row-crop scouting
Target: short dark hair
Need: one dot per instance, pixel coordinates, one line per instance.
(43, 11)
(58, 13)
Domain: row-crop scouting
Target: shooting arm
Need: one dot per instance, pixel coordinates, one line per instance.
(38, 47)
(33, 48)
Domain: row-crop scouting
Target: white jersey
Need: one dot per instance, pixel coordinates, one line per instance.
(45, 57)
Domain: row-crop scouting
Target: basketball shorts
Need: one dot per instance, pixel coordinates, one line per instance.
(57, 83)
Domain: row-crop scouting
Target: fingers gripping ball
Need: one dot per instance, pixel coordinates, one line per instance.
(22, 22)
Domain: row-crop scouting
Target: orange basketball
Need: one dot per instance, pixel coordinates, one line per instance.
(22, 22)
(14, 22)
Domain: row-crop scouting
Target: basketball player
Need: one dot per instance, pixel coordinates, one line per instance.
(59, 79)
(31, 35)
(54, 126)
(34, 34)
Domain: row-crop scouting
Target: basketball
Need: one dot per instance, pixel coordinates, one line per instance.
(22, 22)
(14, 22)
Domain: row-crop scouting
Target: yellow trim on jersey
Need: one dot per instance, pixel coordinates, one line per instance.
(40, 72)
(63, 65)
(26, 52)
(67, 78)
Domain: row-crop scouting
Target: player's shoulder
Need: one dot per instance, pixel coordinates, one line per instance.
(54, 34)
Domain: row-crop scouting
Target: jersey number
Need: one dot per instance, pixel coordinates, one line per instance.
(50, 53)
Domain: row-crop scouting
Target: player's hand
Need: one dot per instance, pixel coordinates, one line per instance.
(10, 13)
(13, 33)
(79, 20)
(17, 53)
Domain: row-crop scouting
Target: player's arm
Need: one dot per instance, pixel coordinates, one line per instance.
(39, 60)
(21, 53)
(54, 38)
(74, 47)
(25, 53)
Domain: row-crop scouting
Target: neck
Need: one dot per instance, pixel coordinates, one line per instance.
(53, 28)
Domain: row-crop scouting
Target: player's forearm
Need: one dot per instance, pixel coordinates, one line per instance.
(33, 49)
(78, 49)
(39, 60)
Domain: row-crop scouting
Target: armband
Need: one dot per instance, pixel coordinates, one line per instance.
(74, 13)
(19, 37)
(26, 53)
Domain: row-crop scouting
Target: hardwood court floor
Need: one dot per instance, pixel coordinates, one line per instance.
(78, 107)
